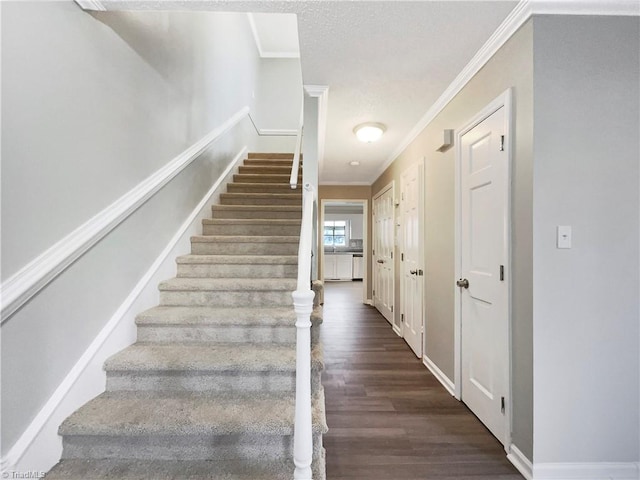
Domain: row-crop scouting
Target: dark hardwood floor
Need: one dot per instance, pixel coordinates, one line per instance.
(388, 416)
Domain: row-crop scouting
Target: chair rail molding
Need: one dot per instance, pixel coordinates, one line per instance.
(73, 391)
(29, 280)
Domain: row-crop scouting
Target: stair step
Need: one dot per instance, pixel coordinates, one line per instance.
(208, 368)
(270, 161)
(244, 245)
(261, 198)
(268, 155)
(232, 266)
(227, 292)
(257, 211)
(262, 178)
(267, 169)
(99, 469)
(187, 426)
(254, 187)
(251, 226)
(116, 469)
(195, 324)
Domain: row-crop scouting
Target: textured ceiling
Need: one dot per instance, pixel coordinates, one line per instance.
(384, 61)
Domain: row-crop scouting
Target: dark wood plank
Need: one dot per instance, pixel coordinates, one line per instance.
(389, 418)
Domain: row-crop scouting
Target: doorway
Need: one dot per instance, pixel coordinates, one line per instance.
(343, 223)
(483, 267)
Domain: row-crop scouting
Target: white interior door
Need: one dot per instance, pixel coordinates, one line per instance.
(484, 290)
(411, 274)
(383, 285)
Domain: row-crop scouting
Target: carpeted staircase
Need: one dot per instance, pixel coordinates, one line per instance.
(207, 392)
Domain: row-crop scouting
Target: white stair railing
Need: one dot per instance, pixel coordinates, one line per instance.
(303, 305)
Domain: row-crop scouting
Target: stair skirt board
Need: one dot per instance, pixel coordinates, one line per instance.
(212, 374)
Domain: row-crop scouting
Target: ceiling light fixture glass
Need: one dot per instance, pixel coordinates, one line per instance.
(354, 163)
(369, 132)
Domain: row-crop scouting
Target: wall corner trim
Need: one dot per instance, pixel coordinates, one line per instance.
(520, 461)
(277, 132)
(30, 279)
(60, 395)
(95, 5)
(321, 92)
(440, 375)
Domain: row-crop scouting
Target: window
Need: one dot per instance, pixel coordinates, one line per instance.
(335, 233)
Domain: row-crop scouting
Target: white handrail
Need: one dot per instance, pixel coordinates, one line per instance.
(295, 167)
(303, 305)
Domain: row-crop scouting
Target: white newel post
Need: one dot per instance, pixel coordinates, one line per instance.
(303, 437)
(303, 305)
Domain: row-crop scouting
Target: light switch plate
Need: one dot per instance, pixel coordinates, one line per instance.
(563, 239)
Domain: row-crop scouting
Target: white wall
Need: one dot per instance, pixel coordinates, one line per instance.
(92, 104)
(279, 94)
(585, 300)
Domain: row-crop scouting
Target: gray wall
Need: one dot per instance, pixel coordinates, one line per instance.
(91, 106)
(279, 93)
(511, 66)
(585, 303)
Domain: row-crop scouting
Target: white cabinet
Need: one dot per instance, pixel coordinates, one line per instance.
(338, 266)
(358, 267)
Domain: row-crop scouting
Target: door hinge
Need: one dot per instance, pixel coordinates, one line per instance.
(502, 273)
(502, 407)
(373, 252)
(391, 308)
(502, 143)
(420, 273)
(391, 254)
(374, 293)
(402, 317)
(402, 257)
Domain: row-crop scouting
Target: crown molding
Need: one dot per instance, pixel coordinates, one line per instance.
(518, 16)
(511, 24)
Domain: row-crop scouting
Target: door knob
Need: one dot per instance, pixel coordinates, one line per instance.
(380, 261)
(463, 282)
(413, 272)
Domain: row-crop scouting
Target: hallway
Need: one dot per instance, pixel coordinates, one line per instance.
(388, 416)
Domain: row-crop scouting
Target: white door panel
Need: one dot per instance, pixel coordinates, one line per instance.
(411, 286)
(484, 304)
(383, 269)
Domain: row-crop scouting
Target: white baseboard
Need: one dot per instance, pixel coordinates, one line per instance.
(586, 471)
(521, 462)
(397, 330)
(39, 447)
(439, 374)
(369, 302)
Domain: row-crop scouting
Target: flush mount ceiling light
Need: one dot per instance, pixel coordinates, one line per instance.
(369, 132)
(354, 163)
